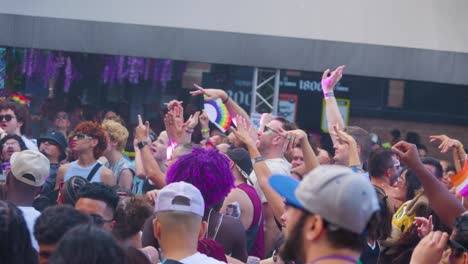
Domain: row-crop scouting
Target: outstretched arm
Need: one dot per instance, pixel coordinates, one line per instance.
(447, 143)
(213, 94)
(151, 167)
(299, 136)
(333, 113)
(441, 200)
(261, 170)
(354, 160)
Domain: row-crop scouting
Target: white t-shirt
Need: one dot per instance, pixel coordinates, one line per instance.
(30, 215)
(31, 144)
(276, 166)
(199, 258)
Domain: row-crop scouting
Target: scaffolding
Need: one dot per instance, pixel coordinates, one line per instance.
(265, 91)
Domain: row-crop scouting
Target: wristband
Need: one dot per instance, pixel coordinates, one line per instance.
(189, 131)
(141, 144)
(225, 101)
(460, 148)
(205, 130)
(330, 94)
(258, 159)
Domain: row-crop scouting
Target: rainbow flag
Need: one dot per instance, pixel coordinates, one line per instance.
(218, 114)
(460, 180)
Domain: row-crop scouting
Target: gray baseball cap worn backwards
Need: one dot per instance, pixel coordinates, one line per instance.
(342, 197)
(181, 197)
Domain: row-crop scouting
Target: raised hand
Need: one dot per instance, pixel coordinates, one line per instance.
(192, 122)
(174, 127)
(446, 142)
(430, 248)
(244, 132)
(330, 80)
(344, 137)
(142, 130)
(424, 225)
(211, 94)
(408, 153)
(293, 137)
(204, 121)
(172, 104)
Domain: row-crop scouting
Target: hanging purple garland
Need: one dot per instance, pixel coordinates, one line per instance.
(68, 75)
(121, 74)
(49, 67)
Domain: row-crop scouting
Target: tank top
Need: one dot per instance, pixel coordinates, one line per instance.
(255, 233)
(118, 167)
(76, 170)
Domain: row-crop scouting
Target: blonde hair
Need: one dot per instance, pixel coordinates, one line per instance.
(117, 133)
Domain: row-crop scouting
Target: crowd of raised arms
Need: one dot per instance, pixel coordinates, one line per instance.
(193, 194)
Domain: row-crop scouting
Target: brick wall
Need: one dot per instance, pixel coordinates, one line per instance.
(383, 127)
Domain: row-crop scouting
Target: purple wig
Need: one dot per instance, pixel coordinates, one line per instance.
(206, 169)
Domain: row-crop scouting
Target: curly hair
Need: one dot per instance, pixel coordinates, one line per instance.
(206, 169)
(17, 138)
(96, 131)
(117, 133)
(21, 113)
(130, 216)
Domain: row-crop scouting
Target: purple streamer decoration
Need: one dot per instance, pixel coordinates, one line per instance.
(49, 67)
(68, 75)
(120, 69)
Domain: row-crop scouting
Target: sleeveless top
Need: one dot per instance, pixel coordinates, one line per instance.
(211, 248)
(255, 233)
(118, 167)
(76, 170)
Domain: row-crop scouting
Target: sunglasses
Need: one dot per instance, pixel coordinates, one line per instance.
(99, 220)
(12, 144)
(267, 130)
(6, 117)
(152, 137)
(82, 136)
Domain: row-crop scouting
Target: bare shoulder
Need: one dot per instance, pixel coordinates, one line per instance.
(106, 172)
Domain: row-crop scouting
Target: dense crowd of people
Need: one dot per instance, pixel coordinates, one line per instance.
(192, 194)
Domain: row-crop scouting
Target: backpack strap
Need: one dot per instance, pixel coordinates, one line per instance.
(93, 171)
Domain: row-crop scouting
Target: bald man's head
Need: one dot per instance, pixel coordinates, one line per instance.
(178, 224)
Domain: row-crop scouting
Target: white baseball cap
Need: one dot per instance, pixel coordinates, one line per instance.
(30, 167)
(181, 197)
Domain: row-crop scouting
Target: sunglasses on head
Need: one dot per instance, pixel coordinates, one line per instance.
(6, 117)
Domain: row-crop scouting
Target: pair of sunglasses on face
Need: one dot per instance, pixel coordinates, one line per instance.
(7, 118)
(82, 136)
